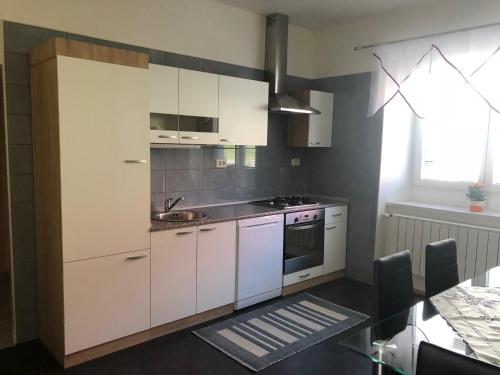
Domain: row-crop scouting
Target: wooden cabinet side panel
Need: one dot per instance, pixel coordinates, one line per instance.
(44, 99)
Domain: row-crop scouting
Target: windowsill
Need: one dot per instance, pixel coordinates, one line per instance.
(489, 219)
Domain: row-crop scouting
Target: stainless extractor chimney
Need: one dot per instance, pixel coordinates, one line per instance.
(275, 67)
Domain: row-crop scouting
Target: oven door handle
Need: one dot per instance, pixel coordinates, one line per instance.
(302, 227)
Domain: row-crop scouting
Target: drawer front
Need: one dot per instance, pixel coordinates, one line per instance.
(303, 275)
(105, 299)
(336, 214)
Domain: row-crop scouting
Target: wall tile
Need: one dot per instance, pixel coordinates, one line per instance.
(184, 62)
(21, 39)
(156, 57)
(211, 154)
(17, 69)
(250, 193)
(20, 159)
(250, 73)
(23, 243)
(218, 178)
(18, 99)
(191, 198)
(157, 181)
(22, 216)
(25, 275)
(19, 129)
(157, 201)
(25, 300)
(183, 180)
(157, 158)
(184, 158)
(217, 67)
(26, 327)
(21, 188)
(218, 195)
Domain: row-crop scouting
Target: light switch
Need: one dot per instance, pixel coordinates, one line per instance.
(295, 162)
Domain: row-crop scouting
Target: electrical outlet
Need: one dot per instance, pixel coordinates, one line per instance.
(295, 162)
(220, 163)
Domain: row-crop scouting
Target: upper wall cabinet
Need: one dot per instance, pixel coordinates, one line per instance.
(164, 104)
(243, 111)
(198, 93)
(312, 130)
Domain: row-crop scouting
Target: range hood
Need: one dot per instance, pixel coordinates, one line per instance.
(275, 68)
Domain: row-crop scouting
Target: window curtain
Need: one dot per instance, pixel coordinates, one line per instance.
(455, 70)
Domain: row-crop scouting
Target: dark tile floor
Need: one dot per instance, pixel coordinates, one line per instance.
(184, 353)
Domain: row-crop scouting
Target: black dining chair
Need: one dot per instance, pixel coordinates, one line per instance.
(433, 360)
(441, 269)
(393, 285)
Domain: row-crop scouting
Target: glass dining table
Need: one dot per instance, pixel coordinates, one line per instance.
(394, 342)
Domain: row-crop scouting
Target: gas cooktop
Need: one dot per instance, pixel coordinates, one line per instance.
(286, 202)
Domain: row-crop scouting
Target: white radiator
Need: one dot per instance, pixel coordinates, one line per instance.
(477, 247)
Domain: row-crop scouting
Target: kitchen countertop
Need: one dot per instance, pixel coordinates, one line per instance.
(239, 211)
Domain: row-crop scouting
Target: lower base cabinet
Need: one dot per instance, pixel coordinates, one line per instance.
(173, 275)
(216, 266)
(193, 270)
(105, 299)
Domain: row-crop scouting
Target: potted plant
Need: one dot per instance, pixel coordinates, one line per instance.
(477, 197)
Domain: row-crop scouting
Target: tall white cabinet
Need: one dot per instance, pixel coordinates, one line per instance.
(91, 169)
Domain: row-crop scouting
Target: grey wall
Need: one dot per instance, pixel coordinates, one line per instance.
(351, 167)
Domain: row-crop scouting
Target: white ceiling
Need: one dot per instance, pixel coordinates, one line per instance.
(320, 13)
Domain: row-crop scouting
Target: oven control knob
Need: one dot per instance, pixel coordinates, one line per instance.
(296, 220)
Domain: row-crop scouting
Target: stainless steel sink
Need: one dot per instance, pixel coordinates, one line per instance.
(179, 216)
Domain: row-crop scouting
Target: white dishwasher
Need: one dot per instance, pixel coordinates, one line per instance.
(260, 260)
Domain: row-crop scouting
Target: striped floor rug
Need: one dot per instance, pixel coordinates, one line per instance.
(272, 333)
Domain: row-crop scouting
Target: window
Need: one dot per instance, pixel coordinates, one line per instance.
(459, 142)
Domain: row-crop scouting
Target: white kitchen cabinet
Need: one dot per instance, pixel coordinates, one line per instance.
(163, 89)
(163, 104)
(198, 93)
(243, 111)
(216, 265)
(313, 130)
(173, 275)
(105, 298)
(303, 275)
(335, 239)
(104, 157)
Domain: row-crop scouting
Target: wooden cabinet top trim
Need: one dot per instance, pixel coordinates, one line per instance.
(88, 51)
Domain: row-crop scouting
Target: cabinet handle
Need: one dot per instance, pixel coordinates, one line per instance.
(188, 137)
(168, 136)
(227, 140)
(138, 161)
(331, 228)
(314, 143)
(305, 275)
(183, 233)
(207, 229)
(336, 215)
(135, 257)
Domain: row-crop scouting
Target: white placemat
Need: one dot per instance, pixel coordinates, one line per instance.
(474, 312)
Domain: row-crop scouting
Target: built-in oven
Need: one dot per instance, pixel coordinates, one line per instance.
(304, 240)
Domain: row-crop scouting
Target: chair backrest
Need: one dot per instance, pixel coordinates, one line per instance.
(393, 284)
(441, 269)
(434, 360)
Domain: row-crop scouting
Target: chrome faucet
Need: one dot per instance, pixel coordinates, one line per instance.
(169, 205)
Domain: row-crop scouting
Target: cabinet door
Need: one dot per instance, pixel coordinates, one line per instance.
(320, 126)
(335, 247)
(243, 111)
(104, 146)
(198, 93)
(105, 298)
(173, 275)
(163, 89)
(216, 265)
